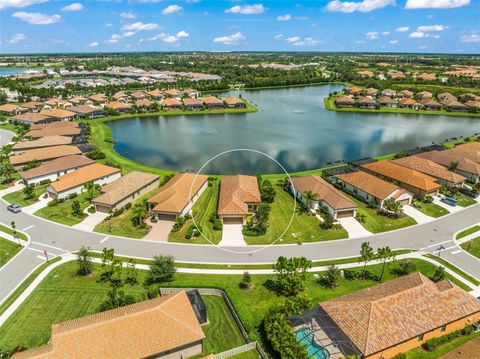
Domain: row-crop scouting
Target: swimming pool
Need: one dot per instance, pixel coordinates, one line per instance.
(305, 336)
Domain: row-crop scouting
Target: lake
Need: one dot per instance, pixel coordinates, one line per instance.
(7, 71)
(292, 126)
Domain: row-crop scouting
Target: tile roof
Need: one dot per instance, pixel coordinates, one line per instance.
(368, 183)
(430, 168)
(387, 100)
(236, 192)
(99, 97)
(125, 186)
(470, 150)
(155, 93)
(8, 107)
(344, 99)
(140, 330)
(175, 195)
(54, 131)
(390, 313)
(31, 117)
(115, 105)
(448, 156)
(403, 175)
(85, 109)
(58, 113)
(43, 142)
(324, 191)
(55, 124)
(46, 153)
(83, 175)
(169, 102)
(57, 165)
(212, 100)
(192, 102)
(231, 101)
(143, 102)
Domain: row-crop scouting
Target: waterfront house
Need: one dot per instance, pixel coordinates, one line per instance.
(119, 106)
(405, 94)
(327, 196)
(456, 106)
(239, 197)
(409, 103)
(87, 111)
(399, 315)
(74, 182)
(354, 90)
(430, 104)
(177, 197)
(344, 101)
(52, 170)
(155, 94)
(192, 104)
(463, 165)
(413, 181)
(366, 102)
(30, 118)
(59, 114)
(121, 97)
(164, 327)
(470, 150)
(171, 104)
(389, 93)
(190, 93)
(387, 101)
(49, 141)
(52, 129)
(371, 92)
(234, 102)
(369, 188)
(433, 169)
(144, 103)
(446, 97)
(473, 104)
(43, 154)
(124, 190)
(212, 102)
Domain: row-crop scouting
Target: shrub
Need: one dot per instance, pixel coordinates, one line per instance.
(179, 222)
(96, 155)
(152, 291)
(428, 199)
(52, 203)
(117, 212)
(267, 193)
(439, 274)
(128, 206)
(193, 232)
(154, 219)
(350, 274)
(72, 195)
(400, 356)
(91, 209)
(162, 270)
(45, 182)
(432, 344)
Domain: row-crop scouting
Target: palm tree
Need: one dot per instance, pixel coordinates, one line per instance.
(393, 206)
(366, 255)
(384, 254)
(452, 166)
(90, 188)
(139, 211)
(308, 197)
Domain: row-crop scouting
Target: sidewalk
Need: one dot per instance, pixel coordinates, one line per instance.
(468, 238)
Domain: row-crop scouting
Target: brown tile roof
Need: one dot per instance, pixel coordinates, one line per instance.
(473, 103)
(115, 105)
(408, 102)
(85, 109)
(446, 157)
(155, 93)
(57, 165)
(99, 97)
(32, 105)
(82, 176)
(390, 313)
(143, 102)
(425, 94)
(174, 196)
(192, 102)
(232, 101)
(403, 175)
(385, 100)
(125, 186)
(430, 102)
(169, 102)
(344, 99)
(354, 90)
(43, 142)
(470, 150)
(139, 330)
(31, 117)
(173, 92)
(54, 131)
(55, 124)
(430, 168)
(368, 183)
(324, 191)
(58, 113)
(235, 193)
(405, 93)
(366, 100)
(137, 94)
(43, 154)
(77, 99)
(212, 100)
(8, 107)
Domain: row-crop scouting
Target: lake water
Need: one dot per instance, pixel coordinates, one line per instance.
(292, 126)
(7, 71)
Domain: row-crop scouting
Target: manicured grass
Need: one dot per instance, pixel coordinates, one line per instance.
(4, 184)
(205, 206)
(453, 268)
(18, 197)
(419, 353)
(304, 227)
(8, 249)
(9, 230)
(464, 201)
(63, 295)
(472, 247)
(251, 354)
(468, 231)
(62, 213)
(430, 209)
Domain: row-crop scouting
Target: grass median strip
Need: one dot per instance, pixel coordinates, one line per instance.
(8, 250)
(468, 231)
(453, 268)
(9, 230)
(472, 247)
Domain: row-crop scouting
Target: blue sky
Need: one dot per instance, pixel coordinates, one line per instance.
(451, 26)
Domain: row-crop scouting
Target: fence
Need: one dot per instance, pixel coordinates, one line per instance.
(221, 293)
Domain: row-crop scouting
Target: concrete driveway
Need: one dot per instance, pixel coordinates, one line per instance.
(232, 236)
(42, 202)
(89, 223)
(416, 214)
(353, 227)
(449, 208)
(159, 231)
(16, 187)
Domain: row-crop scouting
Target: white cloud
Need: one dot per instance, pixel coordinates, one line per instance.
(393, 42)
(128, 15)
(362, 6)
(170, 39)
(115, 37)
(247, 9)
(470, 38)
(286, 17)
(15, 39)
(36, 18)
(307, 41)
(435, 4)
(385, 33)
(293, 39)
(402, 29)
(76, 6)
(372, 35)
(279, 36)
(182, 34)
(109, 24)
(428, 28)
(140, 26)
(417, 34)
(233, 39)
(18, 3)
(171, 9)
(93, 44)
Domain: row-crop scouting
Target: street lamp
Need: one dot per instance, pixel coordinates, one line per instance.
(440, 249)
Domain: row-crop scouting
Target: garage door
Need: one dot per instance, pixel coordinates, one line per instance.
(100, 208)
(233, 220)
(166, 217)
(403, 202)
(345, 214)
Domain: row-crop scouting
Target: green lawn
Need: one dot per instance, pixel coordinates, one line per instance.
(8, 249)
(464, 201)
(419, 353)
(19, 197)
(472, 247)
(251, 354)
(9, 230)
(457, 270)
(468, 231)
(63, 295)
(205, 206)
(304, 227)
(62, 213)
(430, 209)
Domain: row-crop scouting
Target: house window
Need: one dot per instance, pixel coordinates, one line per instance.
(420, 337)
(444, 327)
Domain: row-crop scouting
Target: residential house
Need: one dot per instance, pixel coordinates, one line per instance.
(177, 197)
(354, 90)
(43, 154)
(234, 102)
(98, 99)
(466, 97)
(399, 315)
(389, 93)
(409, 103)
(446, 97)
(192, 104)
(171, 104)
(49, 141)
(126, 189)
(430, 104)
(164, 327)
(366, 102)
(470, 150)
(79, 100)
(212, 102)
(239, 197)
(74, 182)
(52, 170)
(462, 164)
(413, 181)
(173, 93)
(137, 95)
(11, 110)
(54, 131)
(190, 93)
(59, 114)
(337, 204)
(395, 75)
(365, 73)
(433, 169)
(119, 106)
(30, 118)
(405, 94)
(87, 111)
(456, 106)
(33, 106)
(372, 92)
(121, 97)
(144, 103)
(344, 101)
(387, 101)
(155, 94)
(424, 95)
(57, 103)
(473, 104)
(369, 188)
(427, 76)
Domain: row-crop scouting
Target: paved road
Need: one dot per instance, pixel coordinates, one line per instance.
(5, 137)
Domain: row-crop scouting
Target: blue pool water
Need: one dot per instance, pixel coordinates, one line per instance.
(305, 336)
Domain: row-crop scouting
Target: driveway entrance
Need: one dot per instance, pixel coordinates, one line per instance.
(232, 236)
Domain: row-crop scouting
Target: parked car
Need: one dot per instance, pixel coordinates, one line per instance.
(15, 208)
(469, 192)
(450, 201)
